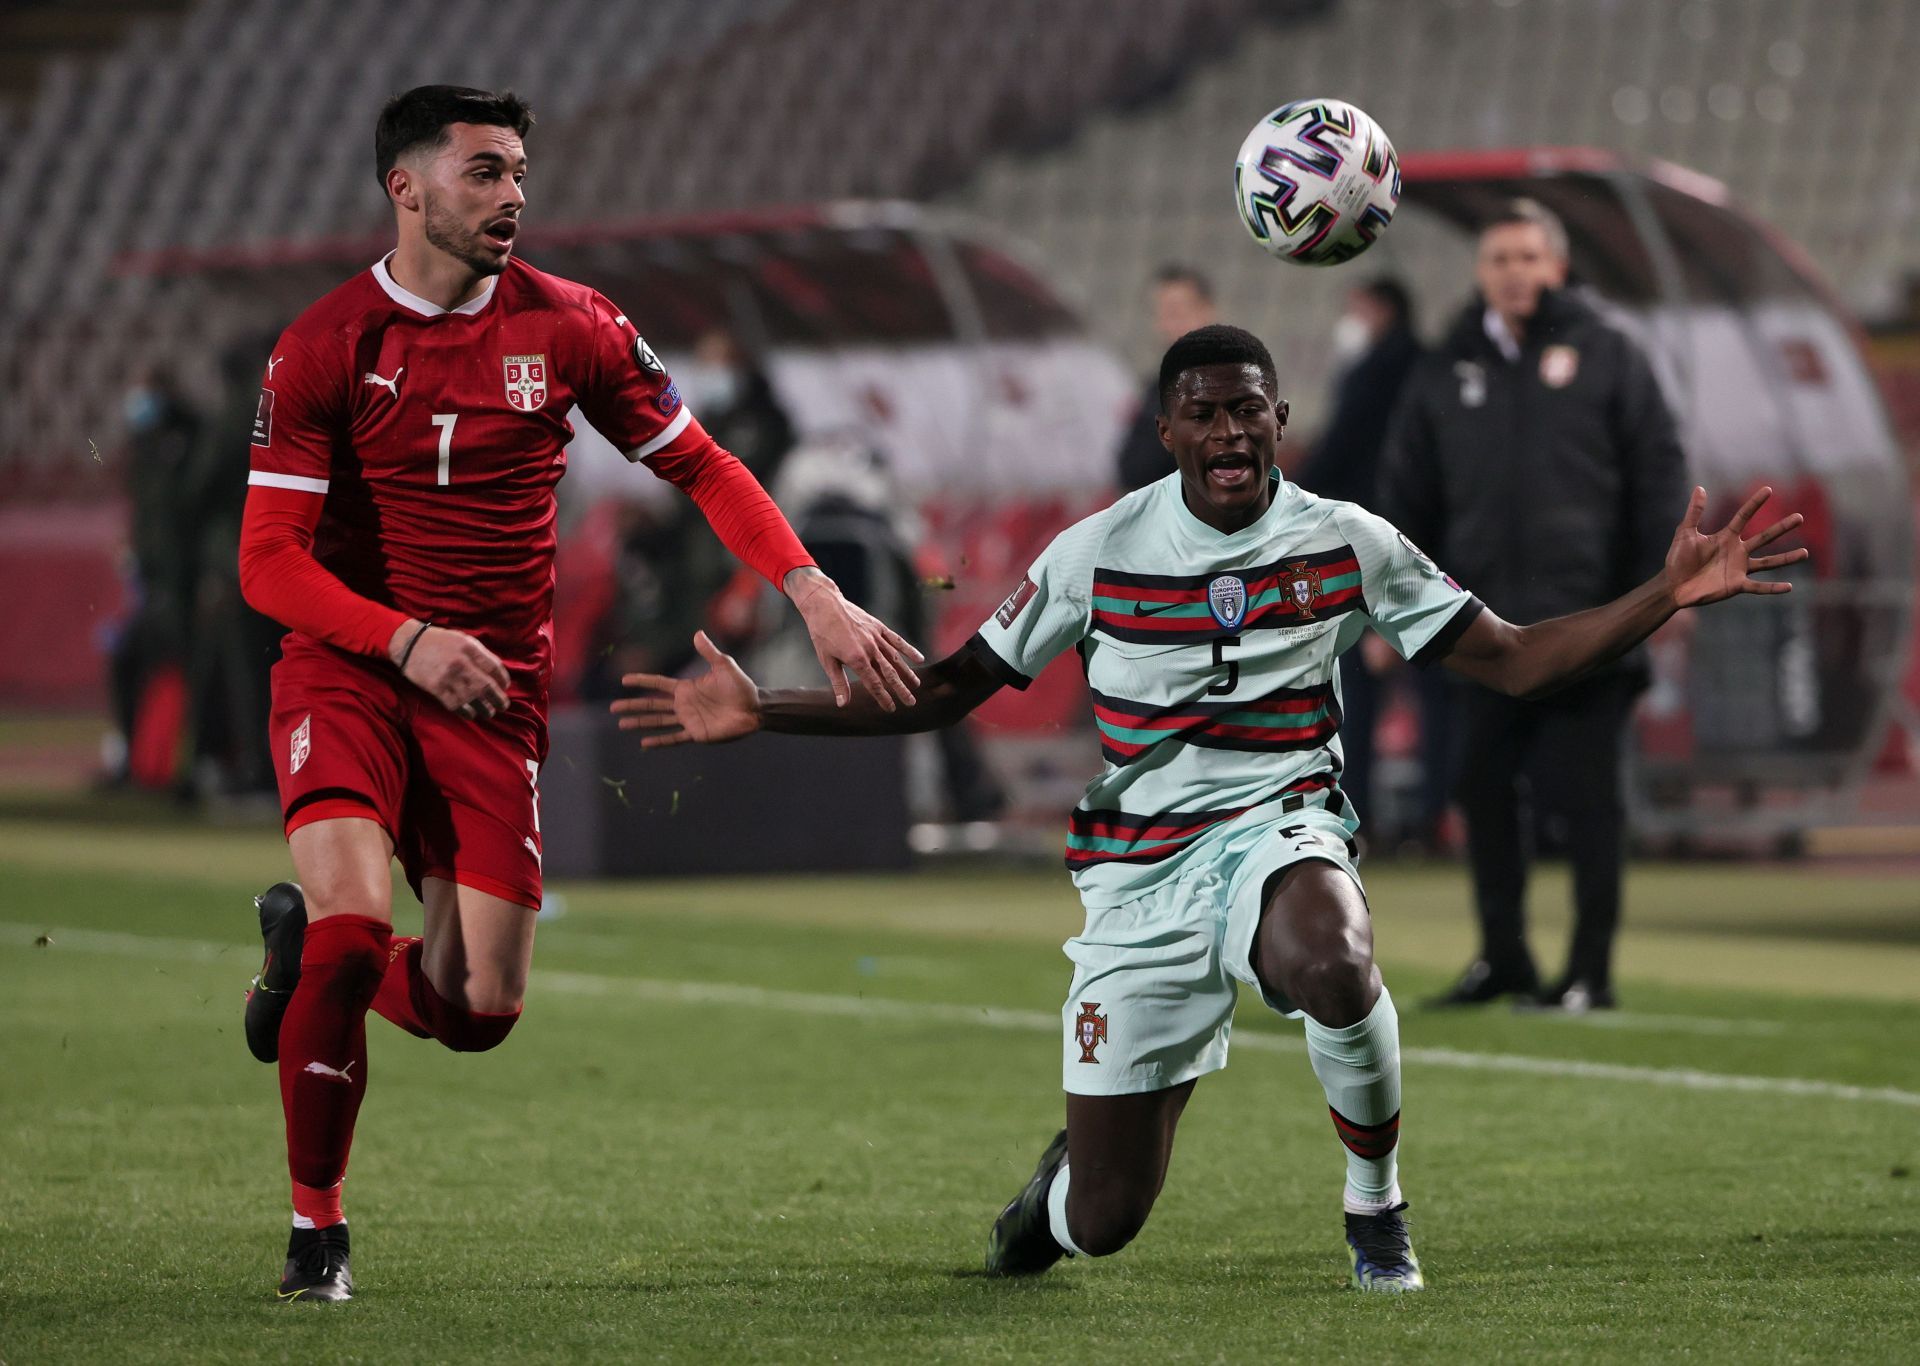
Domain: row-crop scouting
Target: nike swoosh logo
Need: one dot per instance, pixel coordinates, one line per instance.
(1159, 608)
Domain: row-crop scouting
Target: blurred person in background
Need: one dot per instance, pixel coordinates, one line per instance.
(672, 575)
(150, 647)
(233, 646)
(1535, 455)
(1375, 348)
(1182, 301)
(725, 380)
(839, 493)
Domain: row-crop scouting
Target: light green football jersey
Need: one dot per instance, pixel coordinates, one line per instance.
(1211, 660)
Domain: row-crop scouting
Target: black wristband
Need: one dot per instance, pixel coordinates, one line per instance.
(407, 653)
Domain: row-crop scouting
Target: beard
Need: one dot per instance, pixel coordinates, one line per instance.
(446, 232)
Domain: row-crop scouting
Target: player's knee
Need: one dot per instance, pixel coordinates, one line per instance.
(1106, 1223)
(470, 1031)
(1338, 987)
(488, 995)
(346, 896)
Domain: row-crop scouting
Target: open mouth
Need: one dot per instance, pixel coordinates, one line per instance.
(501, 231)
(1231, 472)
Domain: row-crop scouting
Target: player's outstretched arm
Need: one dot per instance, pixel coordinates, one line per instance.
(847, 637)
(724, 704)
(1701, 568)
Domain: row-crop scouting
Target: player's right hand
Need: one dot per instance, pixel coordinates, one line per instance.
(458, 671)
(720, 705)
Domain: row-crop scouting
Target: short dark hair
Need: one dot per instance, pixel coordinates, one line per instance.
(1531, 211)
(1214, 344)
(1390, 293)
(421, 117)
(1174, 273)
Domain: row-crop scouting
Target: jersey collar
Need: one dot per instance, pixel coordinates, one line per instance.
(426, 308)
(1191, 529)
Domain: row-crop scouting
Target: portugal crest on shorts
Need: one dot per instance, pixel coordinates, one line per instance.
(302, 744)
(1227, 597)
(526, 381)
(1089, 1030)
(1302, 583)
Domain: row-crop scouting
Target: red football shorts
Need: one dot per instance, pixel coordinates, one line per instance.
(459, 798)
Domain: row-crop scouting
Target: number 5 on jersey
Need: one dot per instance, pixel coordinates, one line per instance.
(445, 421)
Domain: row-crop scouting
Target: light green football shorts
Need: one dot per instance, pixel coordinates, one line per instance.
(1154, 980)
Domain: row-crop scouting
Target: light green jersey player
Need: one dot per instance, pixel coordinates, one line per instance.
(1215, 846)
(1210, 658)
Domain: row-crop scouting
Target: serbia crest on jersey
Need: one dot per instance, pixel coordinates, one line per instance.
(526, 381)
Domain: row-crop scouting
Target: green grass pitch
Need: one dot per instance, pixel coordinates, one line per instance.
(771, 1120)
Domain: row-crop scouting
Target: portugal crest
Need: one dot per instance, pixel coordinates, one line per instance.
(1227, 597)
(1089, 1030)
(526, 381)
(1303, 589)
(302, 744)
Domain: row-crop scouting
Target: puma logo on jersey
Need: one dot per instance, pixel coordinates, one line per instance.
(320, 1069)
(392, 386)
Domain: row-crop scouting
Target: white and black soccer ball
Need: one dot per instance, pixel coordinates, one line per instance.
(1316, 182)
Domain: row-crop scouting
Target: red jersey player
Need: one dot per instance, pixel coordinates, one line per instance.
(400, 522)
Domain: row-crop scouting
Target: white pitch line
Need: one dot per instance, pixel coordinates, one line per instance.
(1660, 1024)
(992, 1017)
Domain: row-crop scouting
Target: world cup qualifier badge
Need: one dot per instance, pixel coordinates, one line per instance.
(1016, 600)
(526, 381)
(1227, 599)
(1302, 585)
(1089, 1030)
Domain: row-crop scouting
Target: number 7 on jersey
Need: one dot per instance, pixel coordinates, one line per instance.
(445, 421)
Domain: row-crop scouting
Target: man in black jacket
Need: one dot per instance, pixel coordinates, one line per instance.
(1374, 343)
(1182, 301)
(1534, 455)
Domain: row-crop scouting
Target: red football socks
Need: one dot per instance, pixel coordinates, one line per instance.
(317, 1207)
(323, 1054)
(400, 986)
(409, 999)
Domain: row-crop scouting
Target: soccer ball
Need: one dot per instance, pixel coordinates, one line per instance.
(1316, 182)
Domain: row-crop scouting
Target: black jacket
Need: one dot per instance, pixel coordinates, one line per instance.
(1545, 485)
(1345, 463)
(1141, 458)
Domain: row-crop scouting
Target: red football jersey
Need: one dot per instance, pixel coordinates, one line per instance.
(437, 438)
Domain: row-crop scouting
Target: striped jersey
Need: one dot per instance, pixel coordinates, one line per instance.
(1211, 661)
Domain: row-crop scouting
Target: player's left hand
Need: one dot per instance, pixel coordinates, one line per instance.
(1703, 567)
(847, 637)
(720, 705)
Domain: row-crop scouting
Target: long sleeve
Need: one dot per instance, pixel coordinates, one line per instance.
(280, 578)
